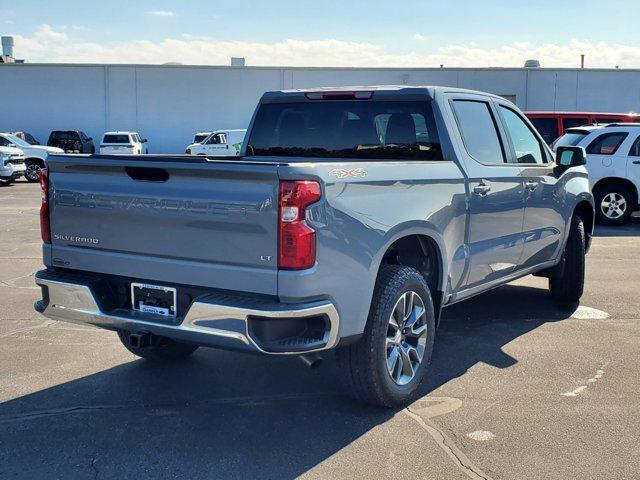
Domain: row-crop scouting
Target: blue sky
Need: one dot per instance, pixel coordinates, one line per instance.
(414, 31)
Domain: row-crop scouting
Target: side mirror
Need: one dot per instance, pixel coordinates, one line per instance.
(89, 139)
(144, 140)
(571, 156)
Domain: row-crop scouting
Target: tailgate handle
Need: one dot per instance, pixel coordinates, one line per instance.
(146, 174)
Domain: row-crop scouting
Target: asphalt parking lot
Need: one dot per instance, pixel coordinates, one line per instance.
(519, 388)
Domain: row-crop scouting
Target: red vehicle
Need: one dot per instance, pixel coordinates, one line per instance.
(552, 125)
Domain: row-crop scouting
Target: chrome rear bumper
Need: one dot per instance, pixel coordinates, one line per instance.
(208, 321)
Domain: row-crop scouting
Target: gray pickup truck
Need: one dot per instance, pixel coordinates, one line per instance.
(351, 218)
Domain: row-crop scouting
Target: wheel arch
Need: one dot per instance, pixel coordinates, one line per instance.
(424, 253)
(37, 160)
(585, 210)
(617, 181)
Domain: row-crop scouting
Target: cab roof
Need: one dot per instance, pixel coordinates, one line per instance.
(359, 92)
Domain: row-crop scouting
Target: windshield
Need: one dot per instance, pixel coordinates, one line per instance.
(18, 141)
(200, 137)
(569, 139)
(346, 129)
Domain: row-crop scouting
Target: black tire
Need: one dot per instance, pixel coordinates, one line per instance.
(605, 193)
(568, 285)
(5, 181)
(32, 173)
(162, 350)
(364, 363)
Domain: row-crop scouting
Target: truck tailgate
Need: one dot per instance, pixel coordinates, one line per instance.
(171, 219)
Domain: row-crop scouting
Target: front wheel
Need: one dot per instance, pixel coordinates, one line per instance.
(387, 365)
(160, 349)
(568, 284)
(5, 181)
(32, 173)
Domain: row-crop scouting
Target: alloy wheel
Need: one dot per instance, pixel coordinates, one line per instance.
(33, 172)
(613, 205)
(406, 338)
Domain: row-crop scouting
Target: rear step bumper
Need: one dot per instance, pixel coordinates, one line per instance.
(211, 320)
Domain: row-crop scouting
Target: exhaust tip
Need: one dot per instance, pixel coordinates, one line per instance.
(311, 360)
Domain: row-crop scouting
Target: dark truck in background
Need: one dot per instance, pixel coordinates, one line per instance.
(71, 141)
(350, 220)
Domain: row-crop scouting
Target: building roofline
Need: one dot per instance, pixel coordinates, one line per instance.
(284, 67)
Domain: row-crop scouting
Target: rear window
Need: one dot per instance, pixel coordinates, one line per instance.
(569, 139)
(65, 136)
(346, 129)
(116, 139)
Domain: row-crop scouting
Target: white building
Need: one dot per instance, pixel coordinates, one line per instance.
(169, 103)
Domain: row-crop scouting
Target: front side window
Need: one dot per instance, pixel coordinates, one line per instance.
(479, 131)
(526, 145)
(607, 144)
(366, 129)
(217, 139)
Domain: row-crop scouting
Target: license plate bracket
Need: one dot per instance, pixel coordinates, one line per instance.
(154, 299)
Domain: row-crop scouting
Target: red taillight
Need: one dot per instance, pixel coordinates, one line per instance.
(45, 226)
(297, 240)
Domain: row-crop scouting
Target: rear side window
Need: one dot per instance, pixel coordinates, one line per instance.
(346, 129)
(574, 122)
(635, 149)
(478, 129)
(116, 139)
(606, 144)
(547, 127)
(526, 145)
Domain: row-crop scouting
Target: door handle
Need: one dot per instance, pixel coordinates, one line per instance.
(531, 185)
(636, 162)
(481, 190)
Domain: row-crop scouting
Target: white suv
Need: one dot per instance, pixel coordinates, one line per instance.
(35, 155)
(613, 161)
(123, 142)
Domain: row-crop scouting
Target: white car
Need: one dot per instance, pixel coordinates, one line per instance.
(35, 155)
(613, 162)
(221, 143)
(123, 142)
(11, 164)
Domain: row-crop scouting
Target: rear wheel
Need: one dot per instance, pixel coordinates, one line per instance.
(568, 285)
(387, 365)
(159, 349)
(614, 204)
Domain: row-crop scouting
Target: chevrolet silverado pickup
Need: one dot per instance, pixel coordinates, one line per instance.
(350, 219)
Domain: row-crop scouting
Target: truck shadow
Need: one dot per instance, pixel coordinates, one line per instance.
(223, 414)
